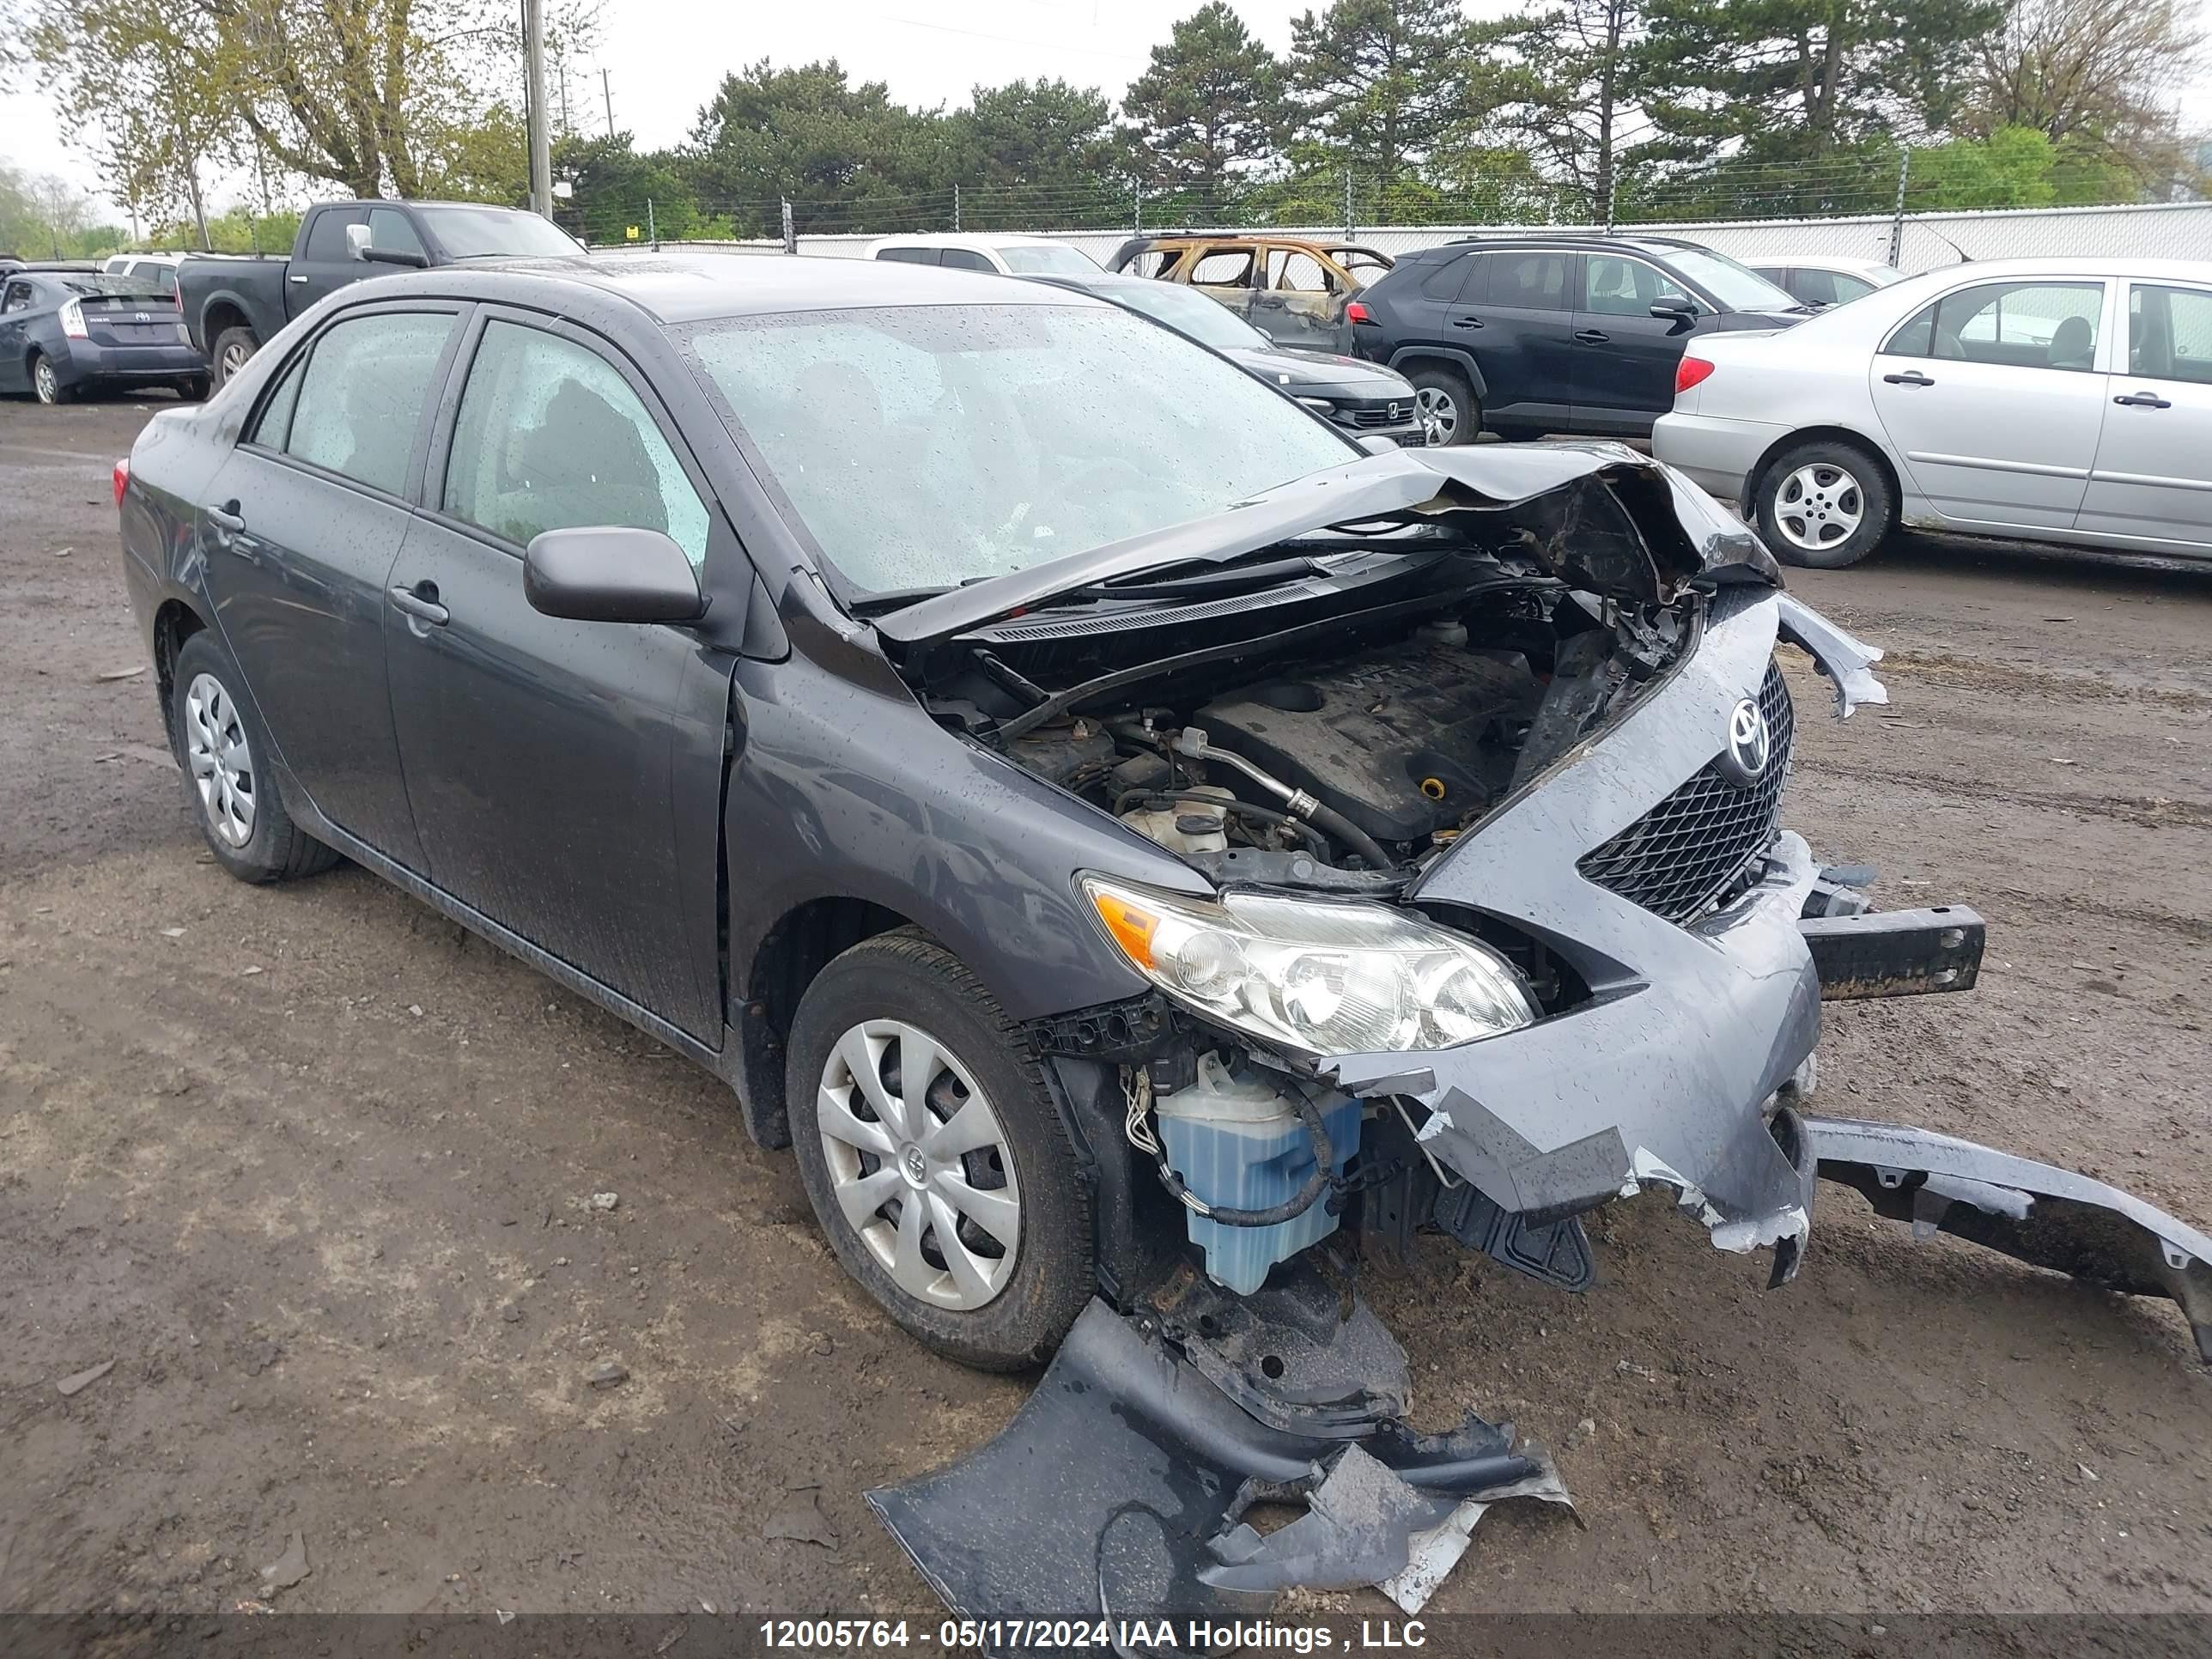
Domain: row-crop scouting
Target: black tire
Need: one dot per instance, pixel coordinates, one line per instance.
(195, 389)
(273, 847)
(1819, 486)
(45, 384)
(232, 344)
(907, 977)
(1451, 387)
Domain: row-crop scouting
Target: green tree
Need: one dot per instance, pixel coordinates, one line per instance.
(1385, 86)
(1574, 92)
(617, 187)
(1209, 110)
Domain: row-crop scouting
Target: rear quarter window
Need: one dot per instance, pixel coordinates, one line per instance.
(361, 398)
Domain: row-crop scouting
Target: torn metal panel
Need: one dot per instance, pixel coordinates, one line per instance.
(1109, 1491)
(1846, 661)
(2047, 1217)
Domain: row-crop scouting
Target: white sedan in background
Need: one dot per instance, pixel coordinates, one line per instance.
(2060, 400)
(1822, 279)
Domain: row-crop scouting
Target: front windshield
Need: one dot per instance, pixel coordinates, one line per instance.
(476, 232)
(1206, 321)
(1738, 287)
(1046, 259)
(922, 446)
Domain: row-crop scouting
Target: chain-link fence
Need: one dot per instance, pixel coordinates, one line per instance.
(1917, 208)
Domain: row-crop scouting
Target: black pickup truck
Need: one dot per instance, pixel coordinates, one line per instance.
(233, 305)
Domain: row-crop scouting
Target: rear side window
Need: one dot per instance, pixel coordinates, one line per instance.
(18, 297)
(551, 437)
(274, 425)
(326, 241)
(361, 398)
(908, 256)
(1299, 271)
(2169, 333)
(965, 258)
(1531, 281)
(1457, 281)
(1847, 286)
(2018, 324)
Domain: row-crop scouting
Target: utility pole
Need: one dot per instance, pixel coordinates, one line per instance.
(562, 63)
(541, 150)
(1897, 219)
(607, 93)
(790, 230)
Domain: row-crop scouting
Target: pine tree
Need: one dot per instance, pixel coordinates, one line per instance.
(1383, 86)
(1209, 108)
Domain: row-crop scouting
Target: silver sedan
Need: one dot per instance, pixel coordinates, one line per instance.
(2060, 400)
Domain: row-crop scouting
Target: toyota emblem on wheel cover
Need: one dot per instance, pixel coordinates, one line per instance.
(1750, 744)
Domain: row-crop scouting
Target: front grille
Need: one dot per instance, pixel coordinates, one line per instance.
(1688, 852)
(1376, 415)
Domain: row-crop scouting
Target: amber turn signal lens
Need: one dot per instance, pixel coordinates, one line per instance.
(1132, 928)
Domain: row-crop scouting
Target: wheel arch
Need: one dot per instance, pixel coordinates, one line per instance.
(223, 311)
(1811, 435)
(1460, 362)
(797, 946)
(174, 623)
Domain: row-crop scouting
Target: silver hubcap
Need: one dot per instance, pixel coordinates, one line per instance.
(233, 359)
(918, 1164)
(1818, 507)
(222, 764)
(47, 385)
(1439, 418)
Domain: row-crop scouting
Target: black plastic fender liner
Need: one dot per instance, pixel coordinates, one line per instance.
(1105, 1494)
(2046, 1217)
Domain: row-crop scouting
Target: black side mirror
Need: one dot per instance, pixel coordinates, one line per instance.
(611, 573)
(1673, 308)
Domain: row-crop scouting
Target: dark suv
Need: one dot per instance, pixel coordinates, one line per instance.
(1531, 335)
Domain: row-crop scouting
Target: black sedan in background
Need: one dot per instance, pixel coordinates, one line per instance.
(64, 329)
(1361, 398)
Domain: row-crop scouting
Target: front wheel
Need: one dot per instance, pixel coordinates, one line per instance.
(933, 1156)
(195, 390)
(1824, 505)
(232, 349)
(46, 385)
(1445, 405)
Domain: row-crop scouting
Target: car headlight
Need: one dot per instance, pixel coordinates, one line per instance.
(1320, 978)
(1319, 405)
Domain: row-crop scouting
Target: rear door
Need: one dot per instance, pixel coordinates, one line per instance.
(561, 770)
(1526, 344)
(2153, 476)
(18, 295)
(300, 529)
(1226, 272)
(322, 266)
(1626, 357)
(1994, 395)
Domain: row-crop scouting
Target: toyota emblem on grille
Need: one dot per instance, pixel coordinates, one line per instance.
(143, 318)
(1750, 744)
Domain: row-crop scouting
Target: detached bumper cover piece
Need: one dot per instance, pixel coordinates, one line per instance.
(1119, 1491)
(2045, 1217)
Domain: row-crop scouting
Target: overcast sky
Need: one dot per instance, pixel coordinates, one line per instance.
(662, 66)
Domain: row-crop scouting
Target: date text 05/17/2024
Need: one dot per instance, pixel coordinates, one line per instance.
(1105, 1635)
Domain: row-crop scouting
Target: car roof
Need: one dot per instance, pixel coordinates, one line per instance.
(1816, 261)
(2123, 266)
(978, 240)
(696, 287)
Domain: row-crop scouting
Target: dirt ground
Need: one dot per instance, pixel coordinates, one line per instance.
(315, 1170)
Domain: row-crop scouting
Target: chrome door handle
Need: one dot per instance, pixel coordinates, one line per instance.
(1911, 377)
(420, 601)
(2142, 400)
(227, 517)
(301, 280)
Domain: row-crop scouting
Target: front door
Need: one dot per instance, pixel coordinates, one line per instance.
(1624, 369)
(326, 265)
(2153, 479)
(1994, 397)
(1298, 302)
(305, 517)
(565, 776)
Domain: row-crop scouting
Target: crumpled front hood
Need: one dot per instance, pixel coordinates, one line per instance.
(1600, 515)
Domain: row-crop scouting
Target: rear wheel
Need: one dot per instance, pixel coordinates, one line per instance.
(46, 385)
(933, 1156)
(232, 348)
(195, 389)
(1446, 406)
(234, 795)
(1824, 505)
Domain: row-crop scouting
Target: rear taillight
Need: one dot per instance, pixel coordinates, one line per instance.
(122, 478)
(72, 315)
(1357, 312)
(1689, 373)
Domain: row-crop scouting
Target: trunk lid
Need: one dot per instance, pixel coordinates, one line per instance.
(132, 319)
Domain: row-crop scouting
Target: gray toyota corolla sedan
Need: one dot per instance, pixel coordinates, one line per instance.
(1131, 843)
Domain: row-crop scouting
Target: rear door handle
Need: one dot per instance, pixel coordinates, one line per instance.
(1592, 337)
(227, 517)
(2142, 400)
(1467, 322)
(301, 280)
(1911, 377)
(420, 601)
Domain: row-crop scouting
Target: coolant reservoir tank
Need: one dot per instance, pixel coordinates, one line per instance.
(1185, 826)
(1238, 1143)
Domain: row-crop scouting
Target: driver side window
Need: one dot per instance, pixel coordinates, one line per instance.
(551, 437)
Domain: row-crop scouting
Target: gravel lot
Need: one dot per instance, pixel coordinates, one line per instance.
(313, 1168)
